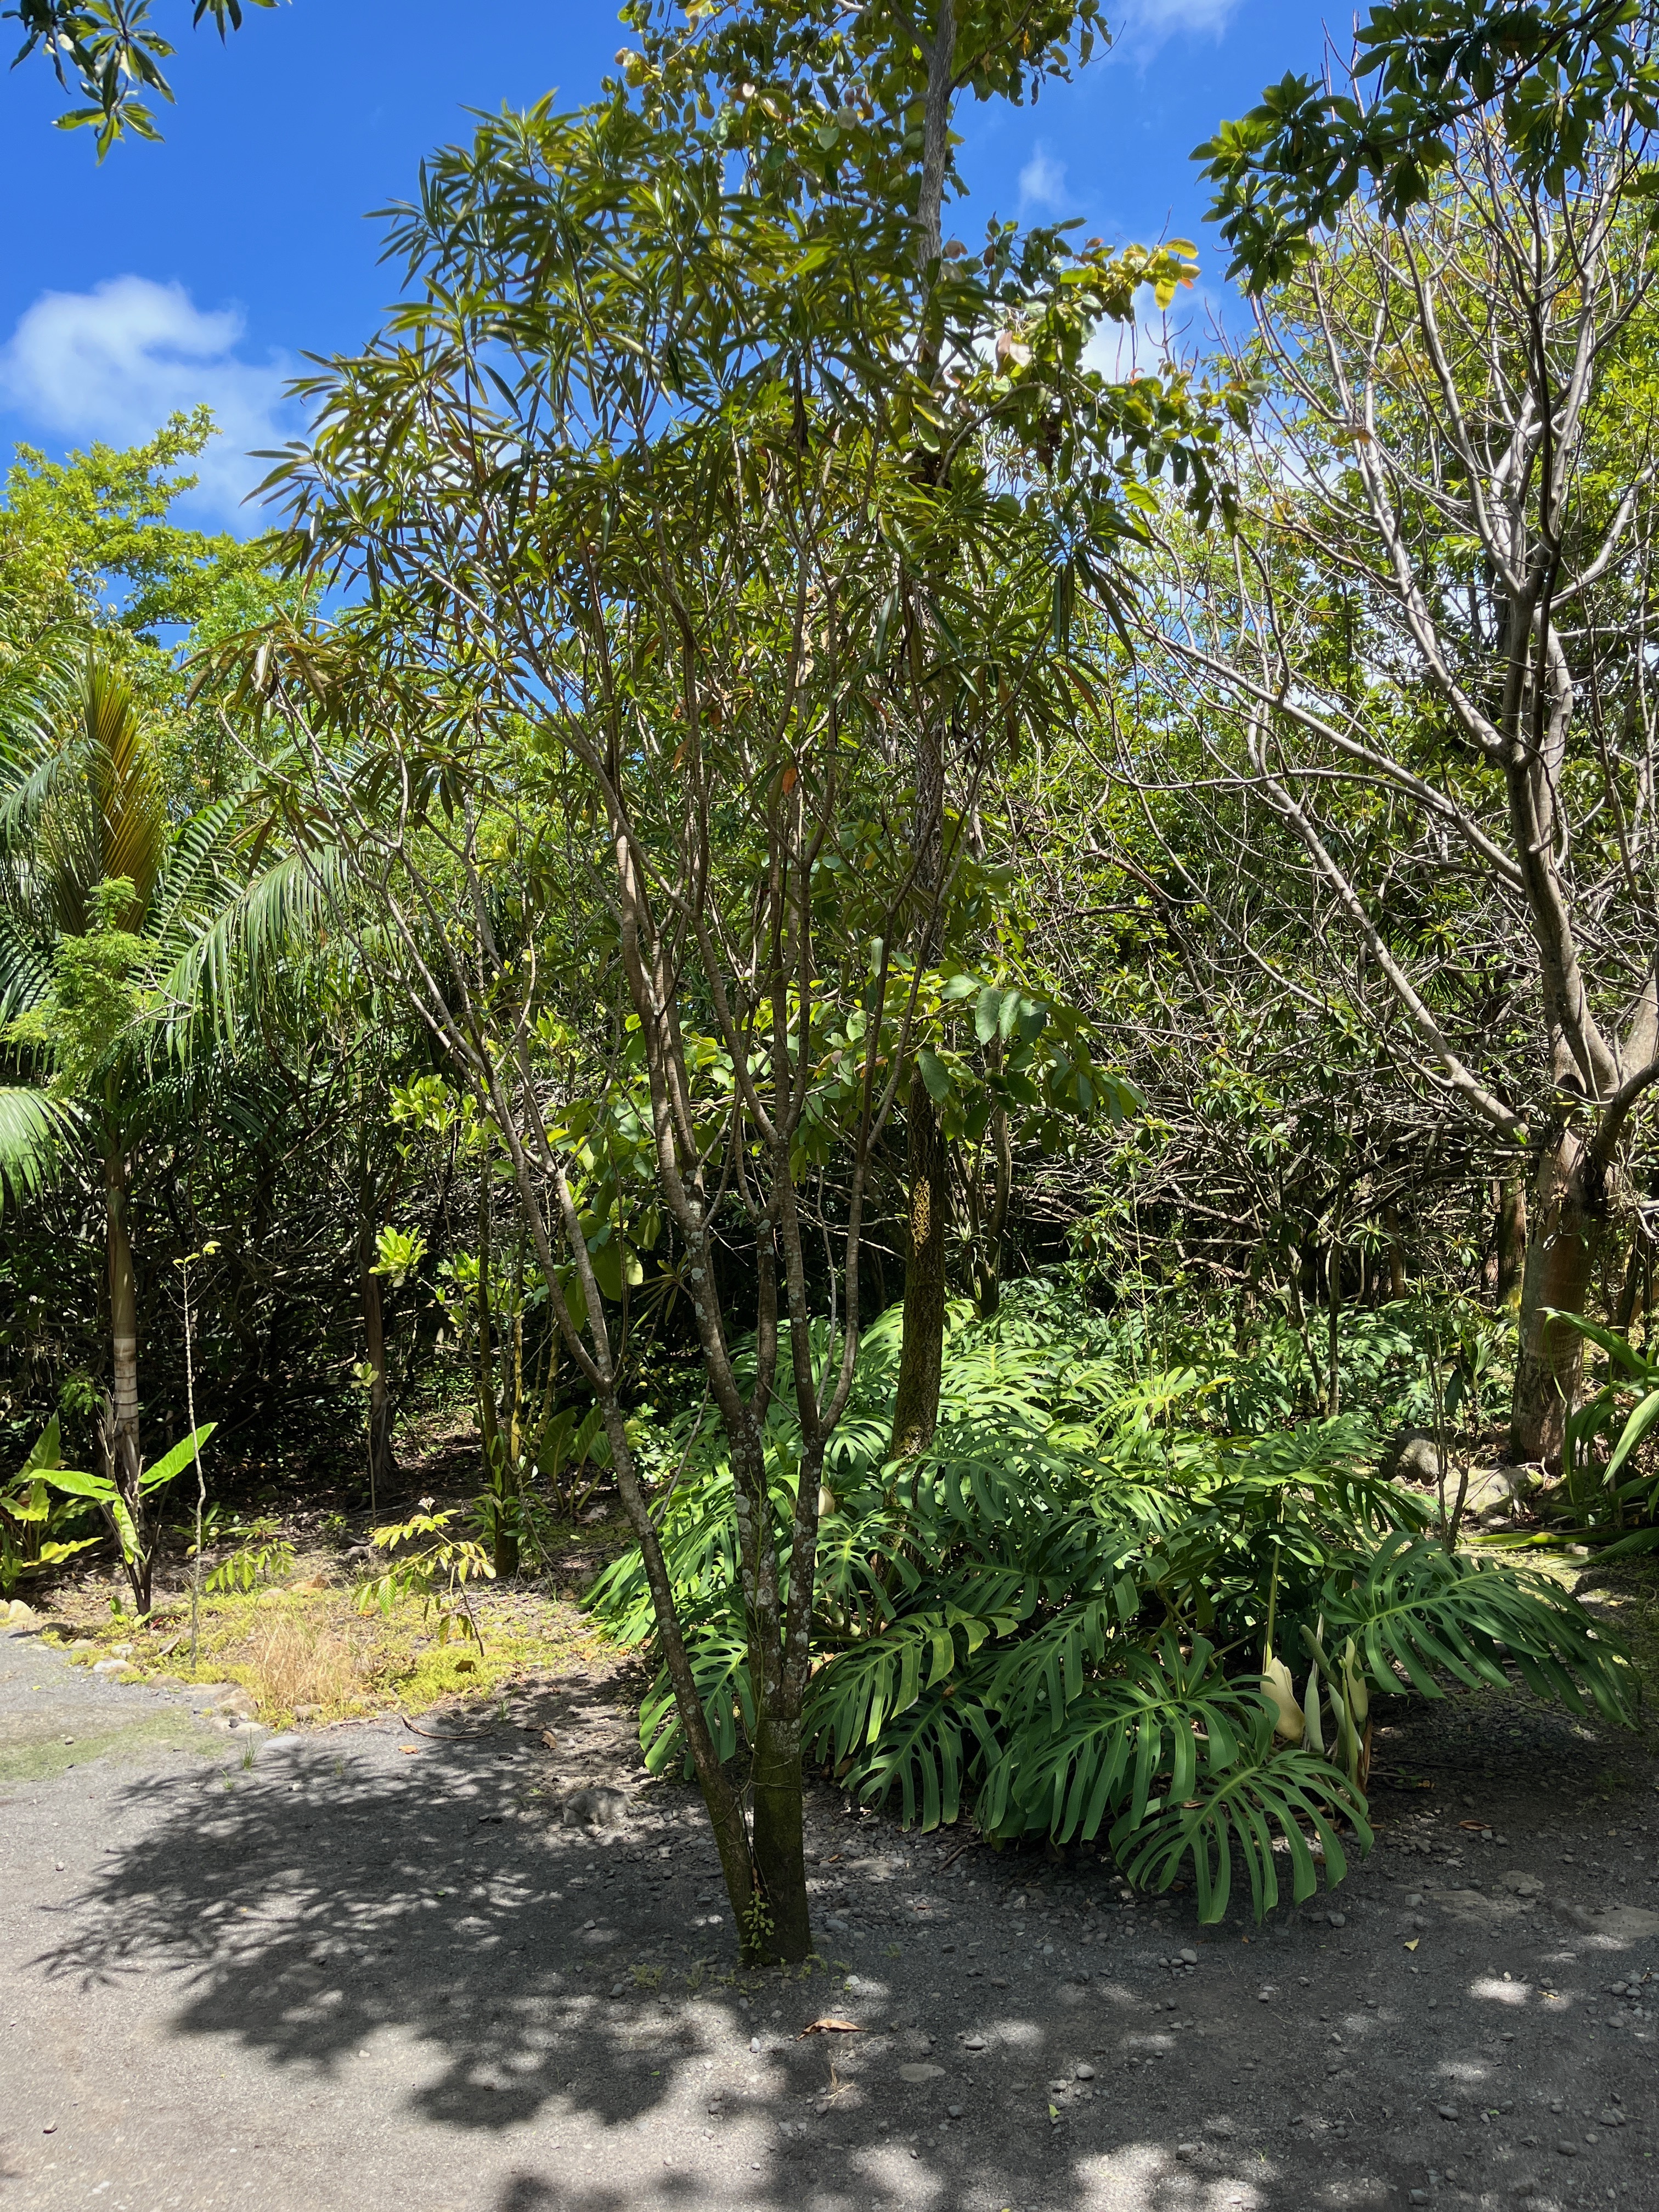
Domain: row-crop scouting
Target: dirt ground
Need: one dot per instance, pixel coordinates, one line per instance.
(380, 1965)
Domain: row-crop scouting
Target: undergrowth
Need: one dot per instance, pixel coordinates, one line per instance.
(1057, 1619)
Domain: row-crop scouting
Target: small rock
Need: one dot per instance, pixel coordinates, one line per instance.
(1412, 1457)
(973, 2043)
(1337, 1919)
(754, 2043)
(953, 2111)
(602, 1807)
(111, 1667)
(21, 1616)
(1186, 2150)
(1447, 2111)
(919, 2072)
(1189, 1958)
(1084, 2072)
(1567, 2149)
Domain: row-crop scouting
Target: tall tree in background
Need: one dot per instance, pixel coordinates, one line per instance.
(1428, 657)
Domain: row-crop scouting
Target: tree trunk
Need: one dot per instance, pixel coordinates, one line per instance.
(118, 1420)
(1396, 1254)
(1511, 1241)
(123, 1302)
(988, 1265)
(776, 1795)
(499, 1478)
(915, 1408)
(1568, 1204)
(380, 1463)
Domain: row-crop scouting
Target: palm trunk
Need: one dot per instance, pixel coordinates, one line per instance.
(123, 1301)
(1565, 1221)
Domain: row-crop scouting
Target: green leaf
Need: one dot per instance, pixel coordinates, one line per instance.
(935, 1074)
(174, 1462)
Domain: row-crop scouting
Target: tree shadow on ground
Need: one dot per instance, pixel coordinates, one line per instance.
(362, 1889)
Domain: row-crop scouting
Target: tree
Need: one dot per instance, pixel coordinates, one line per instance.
(1553, 76)
(121, 935)
(113, 55)
(635, 614)
(852, 110)
(1427, 660)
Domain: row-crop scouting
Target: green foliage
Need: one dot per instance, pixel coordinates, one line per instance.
(28, 1514)
(426, 1560)
(1615, 1496)
(1057, 1618)
(111, 54)
(108, 1495)
(1551, 75)
(264, 1555)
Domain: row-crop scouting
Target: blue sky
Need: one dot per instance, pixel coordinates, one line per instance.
(203, 268)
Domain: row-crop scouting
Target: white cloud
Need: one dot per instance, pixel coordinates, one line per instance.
(1156, 339)
(1144, 24)
(114, 362)
(1042, 183)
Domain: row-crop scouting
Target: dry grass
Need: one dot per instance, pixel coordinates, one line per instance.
(309, 1653)
(298, 1663)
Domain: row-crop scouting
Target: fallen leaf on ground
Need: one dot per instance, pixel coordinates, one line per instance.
(1415, 1941)
(410, 1750)
(830, 2025)
(550, 1739)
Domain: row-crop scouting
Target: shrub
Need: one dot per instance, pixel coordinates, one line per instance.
(1059, 1615)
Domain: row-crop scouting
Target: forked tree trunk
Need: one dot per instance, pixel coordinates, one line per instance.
(1565, 1221)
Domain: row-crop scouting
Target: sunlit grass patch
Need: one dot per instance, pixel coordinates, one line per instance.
(307, 1653)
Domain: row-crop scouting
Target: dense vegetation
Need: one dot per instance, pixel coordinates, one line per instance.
(968, 981)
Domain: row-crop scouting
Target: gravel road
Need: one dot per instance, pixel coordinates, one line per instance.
(375, 1968)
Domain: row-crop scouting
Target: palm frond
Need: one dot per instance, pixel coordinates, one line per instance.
(34, 1128)
(216, 969)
